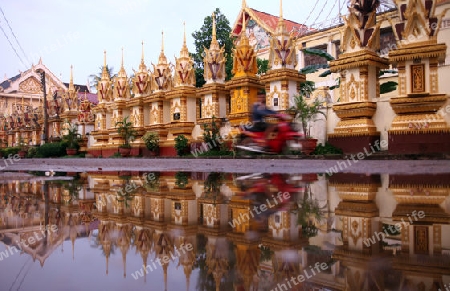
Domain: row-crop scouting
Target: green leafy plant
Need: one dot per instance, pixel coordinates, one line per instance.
(126, 131)
(32, 151)
(211, 135)
(55, 149)
(151, 140)
(309, 208)
(152, 182)
(181, 145)
(126, 192)
(306, 112)
(326, 149)
(181, 179)
(72, 137)
(212, 184)
(10, 151)
(73, 187)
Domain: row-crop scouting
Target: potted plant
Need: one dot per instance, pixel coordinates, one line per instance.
(72, 137)
(23, 148)
(305, 113)
(126, 131)
(151, 140)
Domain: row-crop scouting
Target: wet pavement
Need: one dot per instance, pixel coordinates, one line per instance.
(268, 165)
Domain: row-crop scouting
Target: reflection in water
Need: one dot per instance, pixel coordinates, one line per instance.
(222, 231)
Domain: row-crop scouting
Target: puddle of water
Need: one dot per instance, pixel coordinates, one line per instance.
(224, 231)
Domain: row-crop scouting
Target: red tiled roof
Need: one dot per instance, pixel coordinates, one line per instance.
(272, 21)
(268, 22)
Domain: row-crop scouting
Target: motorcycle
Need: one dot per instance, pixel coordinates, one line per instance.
(283, 139)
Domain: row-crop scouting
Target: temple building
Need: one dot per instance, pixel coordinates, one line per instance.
(404, 43)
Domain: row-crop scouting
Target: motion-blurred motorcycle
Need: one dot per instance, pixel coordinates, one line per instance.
(283, 139)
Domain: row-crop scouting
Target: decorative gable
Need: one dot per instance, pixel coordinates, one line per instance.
(30, 85)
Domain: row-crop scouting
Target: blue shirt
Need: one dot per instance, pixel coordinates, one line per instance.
(259, 111)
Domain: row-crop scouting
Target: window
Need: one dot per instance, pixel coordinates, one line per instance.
(176, 116)
(177, 206)
(316, 60)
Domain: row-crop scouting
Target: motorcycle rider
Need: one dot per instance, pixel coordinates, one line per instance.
(259, 113)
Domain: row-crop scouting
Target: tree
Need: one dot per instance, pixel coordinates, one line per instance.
(202, 39)
(263, 66)
(95, 78)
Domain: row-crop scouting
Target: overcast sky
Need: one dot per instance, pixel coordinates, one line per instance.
(66, 33)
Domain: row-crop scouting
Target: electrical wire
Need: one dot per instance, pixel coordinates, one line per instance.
(318, 15)
(326, 18)
(306, 20)
(10, 43)
(12, 32)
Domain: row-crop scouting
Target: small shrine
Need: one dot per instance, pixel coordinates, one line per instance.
(213, 95)
(419, 125)
(359, 66)
(182, 97)
(282, 81)
(245, 85)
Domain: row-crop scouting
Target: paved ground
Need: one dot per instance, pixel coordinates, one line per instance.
(232, 165)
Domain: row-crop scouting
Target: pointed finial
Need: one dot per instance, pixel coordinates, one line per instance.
(281, 8)
(184, 37)
(40, 61)
(104, 58)
(142, 55)
(122, 58)
(162, 41)
(214, 26)
(243, 21)
(71, 74)
(244, 4)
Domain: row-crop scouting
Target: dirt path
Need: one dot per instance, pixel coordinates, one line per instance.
(233, 165)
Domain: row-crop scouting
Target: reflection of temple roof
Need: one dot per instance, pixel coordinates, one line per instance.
(44, 247)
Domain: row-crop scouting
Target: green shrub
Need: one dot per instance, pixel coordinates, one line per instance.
(181, 145)
(10, 151)
(56, 149)
(326, 149)
(32, 151)
(151, 140)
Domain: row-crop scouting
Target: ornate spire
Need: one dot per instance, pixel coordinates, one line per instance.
(244, 61)
(161, 78)
(122, 72)
(71, 87)
(142, 53)
(104, 84)
(184, 66)
(214, 58)
(141, 80)
(162, 60)
(121, 85)
(281, 9)
(184, 53)
(105, 73)
(214, 42)
(282, 46)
